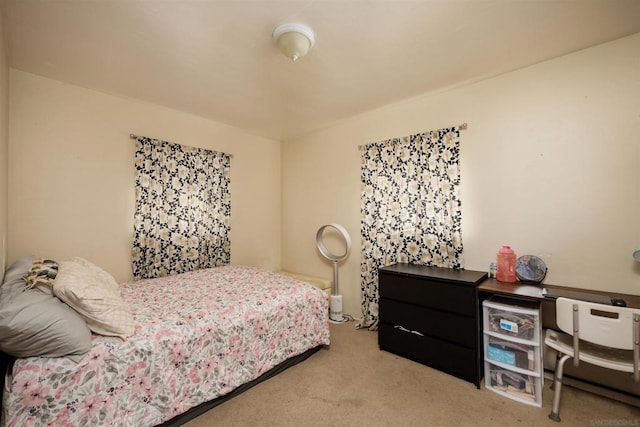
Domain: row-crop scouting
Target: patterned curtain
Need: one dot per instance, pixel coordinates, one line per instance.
(183, 208)
(410, 208)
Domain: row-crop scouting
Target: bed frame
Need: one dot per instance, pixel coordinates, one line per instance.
(6, 363)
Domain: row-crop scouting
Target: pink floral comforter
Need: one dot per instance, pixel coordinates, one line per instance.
(198, 336)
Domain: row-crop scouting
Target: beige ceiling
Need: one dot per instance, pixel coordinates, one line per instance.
(216, 59)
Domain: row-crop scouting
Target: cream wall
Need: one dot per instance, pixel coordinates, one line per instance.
(4, 143)
(71, 174)
(549, 165)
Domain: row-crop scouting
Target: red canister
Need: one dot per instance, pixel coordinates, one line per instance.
(506, 260)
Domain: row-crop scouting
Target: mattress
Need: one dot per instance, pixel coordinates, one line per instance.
(318, 282)
(198, 336)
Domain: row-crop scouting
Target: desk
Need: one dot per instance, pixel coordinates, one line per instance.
(597, 380)
(517, 290)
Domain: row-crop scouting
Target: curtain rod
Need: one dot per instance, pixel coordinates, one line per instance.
(463, 126)
(134, 136)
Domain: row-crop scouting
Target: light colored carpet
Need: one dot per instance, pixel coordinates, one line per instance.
(353, 383)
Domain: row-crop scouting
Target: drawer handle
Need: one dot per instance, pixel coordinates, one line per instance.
(403, 329)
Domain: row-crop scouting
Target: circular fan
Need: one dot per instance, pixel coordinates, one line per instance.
(335, 304)
(530, 269)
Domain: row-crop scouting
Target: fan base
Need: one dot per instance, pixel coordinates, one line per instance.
(335, 309)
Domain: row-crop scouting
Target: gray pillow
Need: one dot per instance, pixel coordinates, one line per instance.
(34, 322)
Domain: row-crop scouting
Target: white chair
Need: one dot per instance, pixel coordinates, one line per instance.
(602, 335)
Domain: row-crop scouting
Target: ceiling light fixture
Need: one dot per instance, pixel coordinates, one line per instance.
(294, 40)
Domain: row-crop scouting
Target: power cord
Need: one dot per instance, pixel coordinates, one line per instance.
(345, 318)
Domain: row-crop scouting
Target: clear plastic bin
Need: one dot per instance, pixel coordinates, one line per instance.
(516, 321)
(517, 386)
(506, 352)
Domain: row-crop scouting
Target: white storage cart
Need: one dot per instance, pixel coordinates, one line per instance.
(512, 349)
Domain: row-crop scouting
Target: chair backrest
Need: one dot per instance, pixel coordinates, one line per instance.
(606, 325)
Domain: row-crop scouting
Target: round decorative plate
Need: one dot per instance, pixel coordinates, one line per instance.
(531, 269)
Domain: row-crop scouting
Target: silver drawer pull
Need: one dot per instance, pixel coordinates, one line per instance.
(403, 329)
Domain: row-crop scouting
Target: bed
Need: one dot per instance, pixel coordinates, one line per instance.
(198, 338)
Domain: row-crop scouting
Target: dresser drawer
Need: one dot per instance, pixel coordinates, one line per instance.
(444, 296)
(448, 326)
(456, 360)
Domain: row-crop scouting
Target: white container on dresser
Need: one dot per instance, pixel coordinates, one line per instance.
(512, 349)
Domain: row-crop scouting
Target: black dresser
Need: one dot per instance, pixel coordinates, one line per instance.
(431, 315)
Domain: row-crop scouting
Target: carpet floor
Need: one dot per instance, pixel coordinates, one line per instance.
(353, 383)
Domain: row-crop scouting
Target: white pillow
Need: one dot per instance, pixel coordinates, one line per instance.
(104, 277)
(94, 297)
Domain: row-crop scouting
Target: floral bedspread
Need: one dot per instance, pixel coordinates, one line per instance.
(198, 336)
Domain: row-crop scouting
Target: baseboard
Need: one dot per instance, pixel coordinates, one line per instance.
(596, 389)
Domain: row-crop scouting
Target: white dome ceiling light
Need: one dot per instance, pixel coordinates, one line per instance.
(294, 40)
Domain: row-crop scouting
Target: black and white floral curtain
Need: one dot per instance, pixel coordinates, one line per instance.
(410, 208)
(182, 211)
